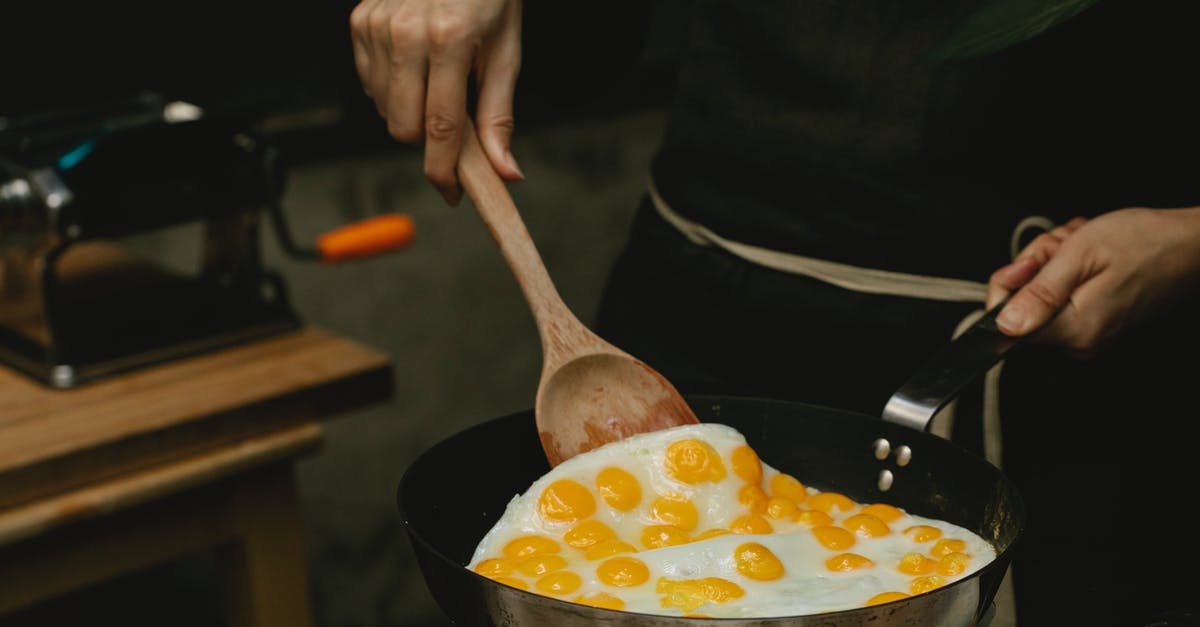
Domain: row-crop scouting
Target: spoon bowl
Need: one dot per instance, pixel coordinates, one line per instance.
(590, 392)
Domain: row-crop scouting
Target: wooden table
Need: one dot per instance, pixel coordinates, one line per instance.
(196, 454)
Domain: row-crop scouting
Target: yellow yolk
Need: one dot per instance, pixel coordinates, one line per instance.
(788, 487)
(658, 536)
(757, 562)
(623, 572)
(559, 582)
(846, 562)
(619, 488)
(947, 546)
(566, 501)
(866, 525)
(675, 510)
(512, 581)
(827, 501)
(711, 533)
(916, 564)
(608, 548)
(525, 546)
(694, 461)
(779, 507)
(588, 533)
(753, 498)
(495, 567)
(689, 594)
(812, 517)
(746, 464)
(921, 585)
(886, 597)
(602, 600)
(536, 565)
(953, 564)
(833, 538)
(750, 524)
(923, 533)
(883, 511)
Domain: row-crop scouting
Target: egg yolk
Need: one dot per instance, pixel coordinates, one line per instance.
(746, 464)
(833, 538)
(566, 501)
(846, 562)
(608, 548)
(602, 600)
(619, 488)
(689, 594)
(495, 567)
(779, 507)
(512, 581)
(827, 501)
(788, 487)
(953, 564)
(559, 582)
(947, 546)
(753, 498)
(525, 546)
(750, 524)
(884, 512)
(916, 564)
(923, 533)
(588, 533)
(536, 565)
(757, 562)
(623, 572)
(694, 461)
(866, 525)
(921, 585)
(711, 533)
(675, 510)
(812, 517)
(658, 536)
(886, 597)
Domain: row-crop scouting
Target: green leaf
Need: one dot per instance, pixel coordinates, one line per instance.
(1003, 23)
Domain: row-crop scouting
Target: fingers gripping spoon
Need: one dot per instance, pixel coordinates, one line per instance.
(590, 392)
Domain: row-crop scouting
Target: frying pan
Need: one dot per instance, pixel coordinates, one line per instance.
(827, 448)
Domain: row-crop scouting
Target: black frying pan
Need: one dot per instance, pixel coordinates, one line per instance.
(826, 448)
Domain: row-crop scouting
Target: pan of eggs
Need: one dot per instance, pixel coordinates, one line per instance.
(766, 513)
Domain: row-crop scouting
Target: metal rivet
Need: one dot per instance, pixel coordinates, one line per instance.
(882, 448)
(62, 376)
(903, 456)
(885, 480)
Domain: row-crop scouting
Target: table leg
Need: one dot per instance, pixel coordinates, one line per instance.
(265, 571)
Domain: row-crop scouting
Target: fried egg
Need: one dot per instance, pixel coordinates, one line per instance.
(688, 521)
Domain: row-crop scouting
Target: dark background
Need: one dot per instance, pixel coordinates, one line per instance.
(589, 112)
(291, 62)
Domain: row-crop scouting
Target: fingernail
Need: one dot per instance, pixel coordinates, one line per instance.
(512, 163)
(1011, 320)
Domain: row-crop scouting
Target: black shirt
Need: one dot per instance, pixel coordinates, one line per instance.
(827, 127)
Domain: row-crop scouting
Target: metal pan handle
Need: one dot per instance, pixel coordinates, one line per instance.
(958, 363)
(939, 381)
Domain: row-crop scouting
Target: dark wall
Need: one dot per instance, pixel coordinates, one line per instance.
(270, 57)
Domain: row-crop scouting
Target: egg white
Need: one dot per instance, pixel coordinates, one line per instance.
(807, 586)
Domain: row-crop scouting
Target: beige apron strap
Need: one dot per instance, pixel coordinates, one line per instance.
(850, 277)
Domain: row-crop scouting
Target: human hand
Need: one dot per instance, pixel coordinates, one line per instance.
(414, 58)
(1085, 281)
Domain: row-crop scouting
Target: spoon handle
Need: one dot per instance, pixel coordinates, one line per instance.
(562, 334)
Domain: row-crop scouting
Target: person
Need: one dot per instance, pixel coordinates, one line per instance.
(835, 193)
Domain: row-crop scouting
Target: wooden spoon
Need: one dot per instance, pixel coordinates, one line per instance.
(590, 392)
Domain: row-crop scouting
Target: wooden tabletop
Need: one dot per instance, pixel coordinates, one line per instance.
(52, 441)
